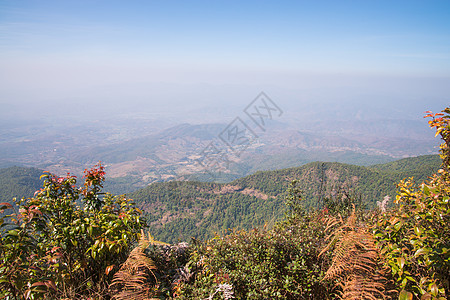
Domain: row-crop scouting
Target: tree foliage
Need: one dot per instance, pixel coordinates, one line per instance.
(414, 237)
(66, 237)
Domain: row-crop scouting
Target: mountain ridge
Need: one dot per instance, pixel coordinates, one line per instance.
(181, 210)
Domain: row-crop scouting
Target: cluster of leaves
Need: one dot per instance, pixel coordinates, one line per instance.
(414, 238)
(66, 239)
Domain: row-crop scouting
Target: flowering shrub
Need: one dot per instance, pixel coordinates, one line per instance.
(66, 237)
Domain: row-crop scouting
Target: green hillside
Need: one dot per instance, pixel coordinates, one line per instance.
(412, 167)
(181, 210)
(19, 182)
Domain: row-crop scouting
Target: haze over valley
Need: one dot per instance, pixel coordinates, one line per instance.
(147, 147)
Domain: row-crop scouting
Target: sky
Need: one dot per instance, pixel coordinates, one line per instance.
(163, 53)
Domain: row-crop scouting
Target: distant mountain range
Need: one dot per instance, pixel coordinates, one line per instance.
(139, 151)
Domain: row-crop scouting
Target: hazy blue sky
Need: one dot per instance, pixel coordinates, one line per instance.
(143, 50)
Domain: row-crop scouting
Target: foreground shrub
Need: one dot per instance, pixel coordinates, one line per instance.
(66, 239)
(415, 236)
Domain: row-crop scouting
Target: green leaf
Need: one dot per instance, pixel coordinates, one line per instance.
(417, 230)
(14, 232)
(397, 226)
(2, 279)
(420, 251)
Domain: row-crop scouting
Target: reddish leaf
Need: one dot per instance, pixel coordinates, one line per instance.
(38, 284)
(108, 269)
(6, 204)
(50, 284)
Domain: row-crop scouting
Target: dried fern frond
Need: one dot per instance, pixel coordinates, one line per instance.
(360, 288)
(353, 251)
(355, 261)
(133, 279)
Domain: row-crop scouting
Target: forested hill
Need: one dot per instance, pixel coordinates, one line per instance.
(181, 210)
(412, 166)
(19, 182)
(318, 178)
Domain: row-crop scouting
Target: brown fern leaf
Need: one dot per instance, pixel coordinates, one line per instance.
(134, 279)
(360, 288)
(355, 261)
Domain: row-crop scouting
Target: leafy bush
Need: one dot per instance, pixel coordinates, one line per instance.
(414, 237)
(66, 239)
